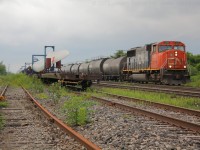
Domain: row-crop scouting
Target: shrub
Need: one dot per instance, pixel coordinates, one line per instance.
(77, 110)
(55, 92)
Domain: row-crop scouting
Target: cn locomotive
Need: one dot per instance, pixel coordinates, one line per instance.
(162, 62)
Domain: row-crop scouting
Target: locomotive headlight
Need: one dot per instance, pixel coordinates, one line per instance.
(170, 66)
(176, 53)
(184, 66)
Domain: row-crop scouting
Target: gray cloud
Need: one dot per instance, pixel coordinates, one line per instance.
(88, 28)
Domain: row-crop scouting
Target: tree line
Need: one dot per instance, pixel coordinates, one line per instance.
(194, 63)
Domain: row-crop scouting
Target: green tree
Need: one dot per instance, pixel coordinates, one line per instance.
(118, 54)
(193, 70)
(198, 66)
(193, 59)
(2, 68)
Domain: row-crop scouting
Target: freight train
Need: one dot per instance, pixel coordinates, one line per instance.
(161, 62)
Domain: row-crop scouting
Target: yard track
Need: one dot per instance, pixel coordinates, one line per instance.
(164, 118)
(27, 128)
(156, 104)
(177, 90)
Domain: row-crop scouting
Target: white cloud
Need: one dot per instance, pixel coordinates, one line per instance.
(95, 27)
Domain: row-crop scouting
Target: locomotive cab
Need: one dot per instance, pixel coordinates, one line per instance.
(170, 60)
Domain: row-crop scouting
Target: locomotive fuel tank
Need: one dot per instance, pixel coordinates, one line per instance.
(139, 77)
(84, 68)
(114, 66)
(96, 66)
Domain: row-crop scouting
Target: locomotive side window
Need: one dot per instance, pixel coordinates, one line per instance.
(179, 48)
(164, 48)
(129, 61)
(154, 48)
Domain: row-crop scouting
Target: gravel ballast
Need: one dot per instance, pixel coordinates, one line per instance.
(112, 128)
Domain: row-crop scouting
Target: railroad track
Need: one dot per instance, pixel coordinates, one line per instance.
(155, 104)
(26, 128)
(189, 125)
(177, 90)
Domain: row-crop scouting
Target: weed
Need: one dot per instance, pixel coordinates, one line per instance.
(3, 104)
(2, 121)
(77, 109)
(55, 92)
(42, 96)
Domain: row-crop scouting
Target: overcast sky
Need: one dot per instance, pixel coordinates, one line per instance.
(92, 28)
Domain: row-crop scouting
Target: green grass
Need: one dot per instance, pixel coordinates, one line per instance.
(191, 103)
(3, 104)
(29, 82)
(195, 81)
(42, 96)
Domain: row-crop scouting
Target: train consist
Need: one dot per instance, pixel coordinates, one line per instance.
(162, 62)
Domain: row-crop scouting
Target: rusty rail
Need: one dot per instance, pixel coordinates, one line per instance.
(173, 121)
(160, 105)
(89, 145)
(2, 96)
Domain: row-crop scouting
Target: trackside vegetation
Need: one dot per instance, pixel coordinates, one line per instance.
(195, 81)
(194, 69)
(191, 103)
(2, 121)
(75, 107)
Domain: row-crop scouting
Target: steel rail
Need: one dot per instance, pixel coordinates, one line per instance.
(89, 145)
(154, 85)
(3, 92)
(173, 121)
(160, 105)
(154, 89)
